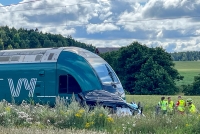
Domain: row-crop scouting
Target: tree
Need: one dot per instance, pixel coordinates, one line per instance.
(59, 44)
(9, 47)
(1, 44)
(16, 38)
(23, 38)
(34, 43)
(144, 70)
(16, 46)
(186, 56)
(47, 43)
(194, 88)
(154, 79)
(130, 60)
(165, 60)
(3, 38)
(24, 44)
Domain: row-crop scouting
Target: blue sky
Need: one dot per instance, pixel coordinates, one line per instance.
(171, 24)
(8, 2)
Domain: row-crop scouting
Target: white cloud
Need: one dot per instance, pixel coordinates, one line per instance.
(104, 16)
(106, 43)
(172, 24)
(96, 28)
(65, 32)
(169, 45)
(160, 34)
(197, 32)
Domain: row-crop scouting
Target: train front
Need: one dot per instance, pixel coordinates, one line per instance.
(110, 81)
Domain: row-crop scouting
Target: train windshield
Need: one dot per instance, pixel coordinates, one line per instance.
(105, 73)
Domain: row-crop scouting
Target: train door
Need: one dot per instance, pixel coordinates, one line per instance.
(39, 92)
(67, 86)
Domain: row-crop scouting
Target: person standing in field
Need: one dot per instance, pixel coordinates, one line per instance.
(180, 105)
(171, 106)
(163, 105)
(191, 109)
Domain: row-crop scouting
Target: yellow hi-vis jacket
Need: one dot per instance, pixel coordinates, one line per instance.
(171, 105)
(192, 108)
(163, 104)
(181, 105)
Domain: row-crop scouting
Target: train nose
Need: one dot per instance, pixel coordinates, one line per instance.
(115, 89)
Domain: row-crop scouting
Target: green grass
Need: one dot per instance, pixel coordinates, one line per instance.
(49, 130)
(26, 119)
(188, 69)
(179, 124)
(149, 101)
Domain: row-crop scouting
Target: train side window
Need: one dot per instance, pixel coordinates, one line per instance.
(63, 84)
(73, 86)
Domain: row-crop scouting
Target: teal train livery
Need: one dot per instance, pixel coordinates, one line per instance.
(45, 73)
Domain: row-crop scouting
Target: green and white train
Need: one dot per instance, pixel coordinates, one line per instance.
(45, 73)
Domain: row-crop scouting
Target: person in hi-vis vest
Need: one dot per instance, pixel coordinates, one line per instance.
(191, 109)
(171, 106)
(180, 105)
(163, 104)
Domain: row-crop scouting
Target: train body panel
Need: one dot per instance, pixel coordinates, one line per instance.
(23, 81)
(43, 74)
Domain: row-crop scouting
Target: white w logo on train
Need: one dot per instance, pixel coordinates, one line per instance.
(28, 86)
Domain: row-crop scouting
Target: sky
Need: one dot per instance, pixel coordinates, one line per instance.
(171, 24)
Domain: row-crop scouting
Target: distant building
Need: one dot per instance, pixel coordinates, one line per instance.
(101, 50)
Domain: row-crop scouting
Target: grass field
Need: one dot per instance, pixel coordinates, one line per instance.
(188, 69)
(25, 119)
(150, 101)
(32, 130)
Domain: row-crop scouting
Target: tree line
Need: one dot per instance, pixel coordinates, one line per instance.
(186, 56)
(11, 38)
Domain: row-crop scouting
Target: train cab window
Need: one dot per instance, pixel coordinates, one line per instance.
(63, 84)
(68, 84)
(73, 86)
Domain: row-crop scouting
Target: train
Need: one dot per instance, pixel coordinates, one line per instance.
(42, 74)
